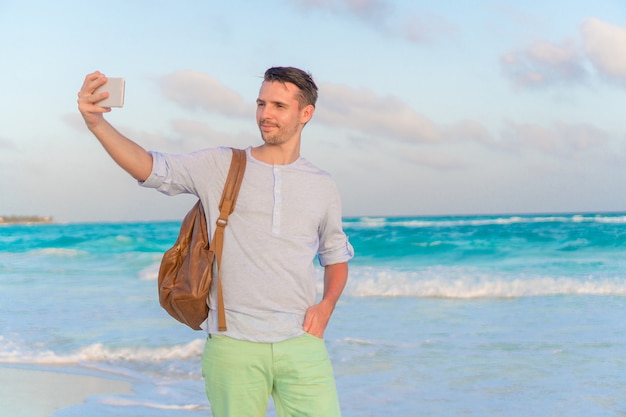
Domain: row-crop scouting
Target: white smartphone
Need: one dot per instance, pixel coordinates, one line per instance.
(115, 87)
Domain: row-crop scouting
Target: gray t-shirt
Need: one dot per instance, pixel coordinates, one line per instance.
(285, 216)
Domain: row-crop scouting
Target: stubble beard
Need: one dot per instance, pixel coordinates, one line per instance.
(281, 136)
(273, 139)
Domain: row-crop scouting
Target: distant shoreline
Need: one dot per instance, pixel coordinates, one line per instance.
(25, 219)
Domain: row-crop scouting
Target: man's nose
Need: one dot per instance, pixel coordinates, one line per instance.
(265, 113)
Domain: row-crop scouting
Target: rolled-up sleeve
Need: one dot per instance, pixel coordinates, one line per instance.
(159, 171)
(342, 253)
(171, 174)
(334, 245)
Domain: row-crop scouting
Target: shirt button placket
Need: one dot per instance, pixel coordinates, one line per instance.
(278, 200)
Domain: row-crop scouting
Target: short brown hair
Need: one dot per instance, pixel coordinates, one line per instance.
(301, 79)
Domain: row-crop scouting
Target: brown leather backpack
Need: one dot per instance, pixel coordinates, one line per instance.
(186, 270)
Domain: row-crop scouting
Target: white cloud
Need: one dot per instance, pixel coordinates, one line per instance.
(362, 110)
(367, 10)
(196, 90)
(423, 28)
(560, 140)
(381, 16)
(544, 63)
(389, 118)
(605, 45)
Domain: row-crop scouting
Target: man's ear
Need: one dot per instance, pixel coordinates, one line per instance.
(307, 114)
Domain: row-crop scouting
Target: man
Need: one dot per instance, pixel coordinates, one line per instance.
(288, 212)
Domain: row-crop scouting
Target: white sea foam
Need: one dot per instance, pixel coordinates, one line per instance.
(442, 282)
(123, 239)
(351, 340)
(614, 220)
(99, 353)
(124, 402)
(58, 252)
(375, 222)
(150, 273)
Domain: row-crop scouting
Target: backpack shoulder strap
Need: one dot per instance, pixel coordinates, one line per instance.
(227, 206)
(233, 183)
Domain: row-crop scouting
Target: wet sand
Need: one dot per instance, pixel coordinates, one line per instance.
(40, 393)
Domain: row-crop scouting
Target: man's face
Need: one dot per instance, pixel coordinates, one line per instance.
(278, 112)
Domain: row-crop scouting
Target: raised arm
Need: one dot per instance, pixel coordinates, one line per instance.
(129, 155)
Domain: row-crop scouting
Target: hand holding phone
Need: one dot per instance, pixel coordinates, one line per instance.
(115, 87)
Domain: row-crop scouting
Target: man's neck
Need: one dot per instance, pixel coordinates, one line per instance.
(284, 154)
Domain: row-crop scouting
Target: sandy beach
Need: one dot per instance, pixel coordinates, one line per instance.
(40, 393)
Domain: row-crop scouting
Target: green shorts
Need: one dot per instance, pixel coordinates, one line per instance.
(240, 376)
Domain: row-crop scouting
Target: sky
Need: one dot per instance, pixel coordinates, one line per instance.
(425, 108)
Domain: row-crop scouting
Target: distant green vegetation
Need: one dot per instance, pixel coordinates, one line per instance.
(25, 219)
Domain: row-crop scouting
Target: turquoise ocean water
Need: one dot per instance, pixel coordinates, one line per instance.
(442, 316)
